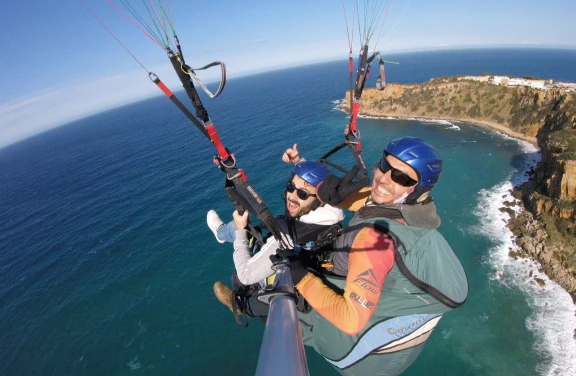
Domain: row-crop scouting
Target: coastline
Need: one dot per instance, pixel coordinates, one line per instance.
(492, 125)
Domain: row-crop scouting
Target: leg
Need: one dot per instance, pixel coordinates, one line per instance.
(249, 301)
(227, 232)
(222, 232)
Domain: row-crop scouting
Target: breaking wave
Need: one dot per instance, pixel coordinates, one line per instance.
(552, 317)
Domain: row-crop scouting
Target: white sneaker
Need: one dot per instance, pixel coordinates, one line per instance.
(214, 223)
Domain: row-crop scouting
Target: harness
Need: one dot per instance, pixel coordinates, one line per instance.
(325, 248)
(352, 136)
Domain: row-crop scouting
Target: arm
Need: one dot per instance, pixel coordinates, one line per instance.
(252, 269)
(356, 200)
(371, 258)
(324, 215)
(335, 190)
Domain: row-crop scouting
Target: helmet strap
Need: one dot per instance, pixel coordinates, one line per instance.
(418, 195)
(315, 205)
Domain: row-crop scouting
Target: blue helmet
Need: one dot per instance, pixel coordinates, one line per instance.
(312, 172)
(419, 155)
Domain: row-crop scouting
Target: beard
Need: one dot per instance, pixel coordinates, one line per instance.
(295, 209)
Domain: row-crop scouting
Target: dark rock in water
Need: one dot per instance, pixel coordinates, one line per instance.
(540, 282)
(531, 273)
(510, 212)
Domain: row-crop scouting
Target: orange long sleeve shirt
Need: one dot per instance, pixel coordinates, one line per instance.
(371, 258)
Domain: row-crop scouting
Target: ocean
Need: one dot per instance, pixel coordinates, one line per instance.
(107, 265)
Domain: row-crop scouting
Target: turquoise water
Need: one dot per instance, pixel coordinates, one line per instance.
(107, 266)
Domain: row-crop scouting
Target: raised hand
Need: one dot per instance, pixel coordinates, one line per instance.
(292, 155)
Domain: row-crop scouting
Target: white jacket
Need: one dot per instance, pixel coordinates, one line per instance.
(252, 269)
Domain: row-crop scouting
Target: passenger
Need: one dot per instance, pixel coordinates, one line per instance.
(306, 220)
(393, 274)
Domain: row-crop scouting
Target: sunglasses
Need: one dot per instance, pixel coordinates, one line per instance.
(300, 192)
(397, 176)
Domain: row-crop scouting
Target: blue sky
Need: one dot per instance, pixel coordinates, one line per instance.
(60, 64)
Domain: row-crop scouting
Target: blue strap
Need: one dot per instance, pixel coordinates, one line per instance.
(388, 334)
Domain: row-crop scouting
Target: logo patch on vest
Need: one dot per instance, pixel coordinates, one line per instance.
(367, 281)
(364, 302)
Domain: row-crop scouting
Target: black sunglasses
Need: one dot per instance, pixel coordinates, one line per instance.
(397, 176)
(300, 192)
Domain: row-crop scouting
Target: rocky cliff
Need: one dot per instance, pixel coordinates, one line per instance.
(546, 231)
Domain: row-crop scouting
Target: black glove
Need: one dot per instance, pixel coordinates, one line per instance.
(334, 189)
(298, 268)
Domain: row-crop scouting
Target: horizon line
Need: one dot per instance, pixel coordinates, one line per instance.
(15, 109)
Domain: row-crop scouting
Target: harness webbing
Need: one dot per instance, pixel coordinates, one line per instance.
(381, 80)
(178, 104)
(352, 138)
(238, 188)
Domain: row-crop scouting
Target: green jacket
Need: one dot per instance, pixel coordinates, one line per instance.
(405, 314)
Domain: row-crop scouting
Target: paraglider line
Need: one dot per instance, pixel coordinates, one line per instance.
(398, 20)
(144, 23)
(382, 23)
(114, 36)
(129, 19)
(347, 32)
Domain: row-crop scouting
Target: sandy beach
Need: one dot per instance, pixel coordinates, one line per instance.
(495, 126)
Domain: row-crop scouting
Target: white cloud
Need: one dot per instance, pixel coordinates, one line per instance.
(50, 108)
(40, 111)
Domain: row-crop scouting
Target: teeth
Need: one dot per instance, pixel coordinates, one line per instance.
(381, 190)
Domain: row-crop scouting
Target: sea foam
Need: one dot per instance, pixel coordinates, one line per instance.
(552, 319)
